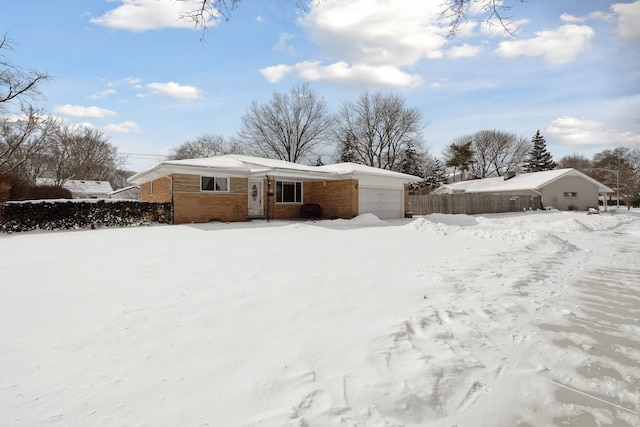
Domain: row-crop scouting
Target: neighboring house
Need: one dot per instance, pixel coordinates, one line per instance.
(239, 188)
(82, 188)
(562, 189)
(131, 192)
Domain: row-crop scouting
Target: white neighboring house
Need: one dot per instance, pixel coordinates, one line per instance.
(564, 189)
(83, 188)
(131, 192)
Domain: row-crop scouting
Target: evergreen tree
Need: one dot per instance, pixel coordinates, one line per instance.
(436, 175)
(539, 158)
(411, 163)
(460, 156)
(347, 152)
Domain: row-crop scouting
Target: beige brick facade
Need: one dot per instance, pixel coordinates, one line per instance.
(337, 199)
(158, 190)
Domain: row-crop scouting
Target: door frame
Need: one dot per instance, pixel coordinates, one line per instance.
(253, 210)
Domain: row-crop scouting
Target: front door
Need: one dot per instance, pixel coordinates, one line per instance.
(255, 198)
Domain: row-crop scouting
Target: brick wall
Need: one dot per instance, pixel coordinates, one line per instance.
(158, 191)
(337, 199)
(199, 207)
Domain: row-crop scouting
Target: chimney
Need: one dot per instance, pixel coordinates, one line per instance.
(509, 174)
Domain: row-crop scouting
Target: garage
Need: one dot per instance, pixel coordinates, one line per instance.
(385, 203)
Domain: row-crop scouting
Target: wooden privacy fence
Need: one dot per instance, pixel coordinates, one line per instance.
(472, 203)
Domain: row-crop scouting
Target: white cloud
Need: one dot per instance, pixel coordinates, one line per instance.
(574, 132)
(357, 74)
(464, 51)
(92, 112)
(275, 73)
(603, 16)
(103, 94)
(368, 42)
(558, 46)
(174, 90)
(345, 73)
(283, 43)
(143, 15)
(127, 80)
(570, 18)
(122, 128)
(628, 19)
(377, 32)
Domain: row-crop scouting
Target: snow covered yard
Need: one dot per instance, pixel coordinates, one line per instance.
(528, 319)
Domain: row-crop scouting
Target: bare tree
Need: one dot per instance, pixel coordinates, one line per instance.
(496, 152)
(456, 12)
(377, 128)
(206, 146)
(575, 161)
(23, 129)
(82, 152)
(23, 139)
(619, 169)
(289, 127)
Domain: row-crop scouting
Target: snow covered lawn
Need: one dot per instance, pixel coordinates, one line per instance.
(528, 319)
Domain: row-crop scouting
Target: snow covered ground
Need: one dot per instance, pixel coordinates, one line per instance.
(525, 319)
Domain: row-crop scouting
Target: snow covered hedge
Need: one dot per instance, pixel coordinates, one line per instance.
(74, 214)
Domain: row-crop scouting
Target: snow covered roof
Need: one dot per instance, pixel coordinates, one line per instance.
(81, 186)
(247, 166)
(526, 181)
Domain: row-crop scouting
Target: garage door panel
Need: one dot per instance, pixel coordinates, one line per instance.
(385, 203)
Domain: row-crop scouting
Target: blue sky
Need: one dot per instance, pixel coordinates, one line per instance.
(135, 71)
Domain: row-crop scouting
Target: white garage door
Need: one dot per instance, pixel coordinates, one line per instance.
(385, 203)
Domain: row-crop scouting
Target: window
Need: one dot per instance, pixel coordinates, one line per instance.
(570, 195)
(288, 192)
(213, 183)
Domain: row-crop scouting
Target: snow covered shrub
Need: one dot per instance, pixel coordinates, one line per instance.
(75, 214)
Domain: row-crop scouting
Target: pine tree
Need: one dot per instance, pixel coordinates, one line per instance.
(460, 156)
(539, 158)
(437, 175)
(411, 162)
(347, 151)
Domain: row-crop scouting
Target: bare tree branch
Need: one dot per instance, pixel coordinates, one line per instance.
(16, 83)
(491, 12)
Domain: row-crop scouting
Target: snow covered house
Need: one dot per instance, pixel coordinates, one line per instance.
(563, 189)
(239, 188)
(83, 188)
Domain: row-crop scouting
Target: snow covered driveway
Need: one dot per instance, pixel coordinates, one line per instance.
(499, 320)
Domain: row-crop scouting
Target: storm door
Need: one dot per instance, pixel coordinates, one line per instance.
(256, 205)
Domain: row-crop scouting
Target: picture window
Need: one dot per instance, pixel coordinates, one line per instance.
(214, 183)
(288, 192)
